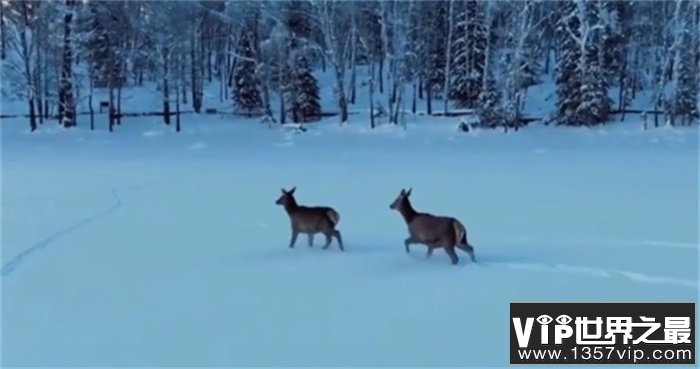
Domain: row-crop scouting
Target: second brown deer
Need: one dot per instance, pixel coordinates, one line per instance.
(432, 230)
(310, 220)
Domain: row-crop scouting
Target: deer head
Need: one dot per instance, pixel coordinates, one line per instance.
(287, 197)
(401, 200)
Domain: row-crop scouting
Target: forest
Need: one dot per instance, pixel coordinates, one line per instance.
(438, 57)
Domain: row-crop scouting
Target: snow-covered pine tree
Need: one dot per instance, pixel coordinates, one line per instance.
(489, 107)
(102, 45)
(568, 76)
(595, 104)
(433, 21)
(246, 94)
(617, 49)
(304, 95)
(296, 17)
(684, 105)
(617, 18)
(469, 55)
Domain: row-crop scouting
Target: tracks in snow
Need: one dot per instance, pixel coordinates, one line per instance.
(596, 272)
(633, 276)
(9, 267)
(601, 272)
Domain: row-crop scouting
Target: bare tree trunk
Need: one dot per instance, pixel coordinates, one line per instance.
(3, 42)
(622, 96)
(448, 61)
(353, 56)
(200, 80)
(166, 92)
(42, 88)
(66, 99)
(342, 102)
(177, 106)
(420, 86)
(381, 72)
(222, 86)
(385, 49)
(92, 110)
(29, 75)
(283, 112)
(111, 102)
(196, 68)
(119, 100)
(182, 91)
(414, 103)
(371, 99)
(429, 99)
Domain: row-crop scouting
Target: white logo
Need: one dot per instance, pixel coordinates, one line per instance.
(599, 330)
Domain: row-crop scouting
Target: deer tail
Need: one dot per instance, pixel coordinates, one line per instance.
(333, 216)
(460, 232)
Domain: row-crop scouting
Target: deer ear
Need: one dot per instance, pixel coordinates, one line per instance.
(283, 191)
(409, 191)
(291, 192)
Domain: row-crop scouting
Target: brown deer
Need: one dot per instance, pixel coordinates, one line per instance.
(310, 220)
(431, 230)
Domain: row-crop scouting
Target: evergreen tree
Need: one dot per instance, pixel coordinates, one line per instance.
(246, 94)
(304, 94)
(568, 74)
(297, 22)
(595, 104)
(685, 100)
(469, 55)
(103, 45)
(489, 107)
(615, 38)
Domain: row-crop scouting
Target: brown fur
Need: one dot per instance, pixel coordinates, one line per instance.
(310, 220)
(432, 230)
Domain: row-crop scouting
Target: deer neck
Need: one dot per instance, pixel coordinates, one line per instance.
(408, 212)
(291, 206)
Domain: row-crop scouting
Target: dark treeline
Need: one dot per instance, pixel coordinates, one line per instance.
(433, 56)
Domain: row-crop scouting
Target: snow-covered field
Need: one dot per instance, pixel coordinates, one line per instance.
(150, 248)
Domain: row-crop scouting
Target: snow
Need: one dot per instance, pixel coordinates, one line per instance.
(147, 247)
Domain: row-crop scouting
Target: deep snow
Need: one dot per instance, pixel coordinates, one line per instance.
(151, 248)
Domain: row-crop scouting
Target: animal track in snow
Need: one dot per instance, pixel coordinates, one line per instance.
(594, 272)
(612, 242)
(11, 265)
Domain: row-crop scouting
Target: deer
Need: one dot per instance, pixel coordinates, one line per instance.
(310, 220)
(434, 231)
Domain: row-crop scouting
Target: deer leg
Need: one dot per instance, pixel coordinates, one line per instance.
(328, 240)
(311, 240)
(450, 250)
(468, 249)
(407, 242)
(294, 239)
(430, 252)
(338, 237)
